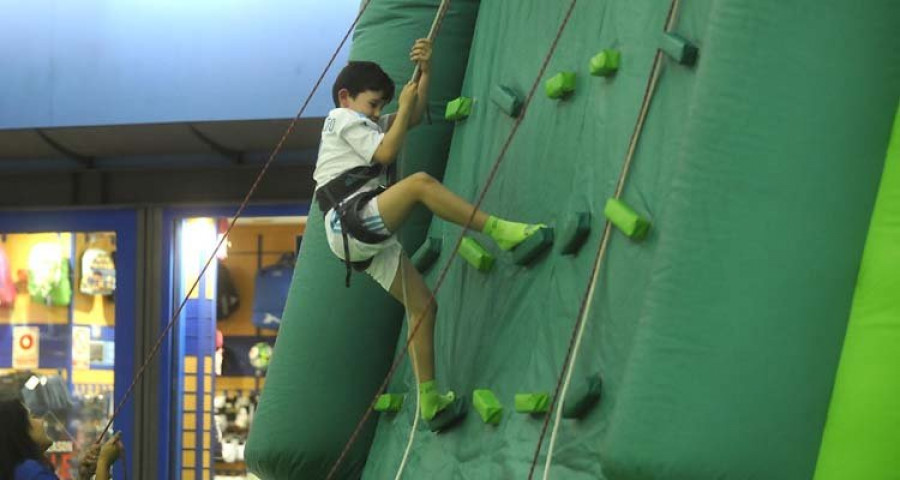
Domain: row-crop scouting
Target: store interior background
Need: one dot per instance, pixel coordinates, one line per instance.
(258, 256)
(71, 343)
(117, 138)
(70, 378)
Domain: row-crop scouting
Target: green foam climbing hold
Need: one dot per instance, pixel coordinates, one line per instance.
(575, 232)
(487, 406)
(507, 99)
(527, 251)
(449, 416)
(582, 397)
(389, 402)
(560, 85)
(427, 254)
(605, 63)
(626, 219)
(533, 403)
(458, 109)
(679, 49)
(475, 254)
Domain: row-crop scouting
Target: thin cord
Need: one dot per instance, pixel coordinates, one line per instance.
(443, 274)
(432, 33)
(237, 215)
(415, 361)
(562, 386)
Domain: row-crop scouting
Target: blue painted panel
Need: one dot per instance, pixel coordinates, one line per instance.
(100, 62)
(172, 347)
(54, 345)
(5, 346)
(124, 223)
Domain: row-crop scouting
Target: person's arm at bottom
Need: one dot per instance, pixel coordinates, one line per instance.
(109, 453)
(102, 472)
(88, 463)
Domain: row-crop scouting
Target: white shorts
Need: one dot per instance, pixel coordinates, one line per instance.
(385, 255)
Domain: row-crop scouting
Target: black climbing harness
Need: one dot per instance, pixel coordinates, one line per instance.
(338, 195)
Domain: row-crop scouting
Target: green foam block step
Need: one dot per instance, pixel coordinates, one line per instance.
(488, 407)
(582, 397)
(626, 219)
(389, 402)
(605, 63)
(449, 416)
(679, 49)
(458, 109)
(560, 85)
(533, 246)
(575, 232)
(533, 403)
(507, 99)
(475, 254)
(427, 254)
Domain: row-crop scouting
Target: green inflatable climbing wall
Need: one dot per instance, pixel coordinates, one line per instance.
(714, 335)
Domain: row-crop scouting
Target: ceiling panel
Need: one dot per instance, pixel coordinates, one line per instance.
(158, 139)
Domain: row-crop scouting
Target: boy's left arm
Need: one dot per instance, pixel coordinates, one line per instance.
(422, 101)
(421, 54)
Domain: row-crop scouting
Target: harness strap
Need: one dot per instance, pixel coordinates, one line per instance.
(334, 192)
(351, 225)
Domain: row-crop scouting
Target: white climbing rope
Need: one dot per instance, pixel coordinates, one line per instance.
(415, 360)
(620, 187)
(432, 32)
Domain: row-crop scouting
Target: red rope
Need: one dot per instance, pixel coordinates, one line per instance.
(237, 215)
(491, 175)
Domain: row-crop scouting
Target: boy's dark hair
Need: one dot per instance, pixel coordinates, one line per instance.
(358, 77)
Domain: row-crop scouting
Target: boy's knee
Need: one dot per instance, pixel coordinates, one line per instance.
(423, 180)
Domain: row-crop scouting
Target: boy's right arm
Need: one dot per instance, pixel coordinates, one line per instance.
(393, 140)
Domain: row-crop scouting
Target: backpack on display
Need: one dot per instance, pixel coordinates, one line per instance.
(227, 298)
(7, 286)
(48, 275)
(270, 294)
(98, 273)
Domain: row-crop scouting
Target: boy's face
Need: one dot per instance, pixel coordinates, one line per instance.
(368, 103)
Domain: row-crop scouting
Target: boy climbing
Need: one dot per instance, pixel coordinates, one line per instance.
(362, 216)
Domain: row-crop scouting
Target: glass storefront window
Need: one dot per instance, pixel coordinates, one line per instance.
(227, 333)
(57, 333)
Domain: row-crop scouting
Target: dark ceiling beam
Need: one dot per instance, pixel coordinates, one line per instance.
(85, 160)
(235, 156)
(291, 183)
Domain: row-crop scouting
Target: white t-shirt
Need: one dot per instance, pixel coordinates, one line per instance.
(349, 139)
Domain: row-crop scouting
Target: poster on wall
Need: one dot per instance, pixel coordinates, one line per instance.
(81, 348)
(26, 341)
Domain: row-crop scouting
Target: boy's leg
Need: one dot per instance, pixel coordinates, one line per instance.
(396, 203)
(416, 300)
(420, 309)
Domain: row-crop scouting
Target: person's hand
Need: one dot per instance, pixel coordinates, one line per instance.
(421, 54)
(111, 450)
(409, 95)
(87, 466)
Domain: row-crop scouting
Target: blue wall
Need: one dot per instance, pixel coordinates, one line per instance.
(101, 62)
